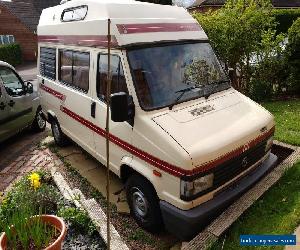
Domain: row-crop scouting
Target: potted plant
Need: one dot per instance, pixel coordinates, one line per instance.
(24, 224)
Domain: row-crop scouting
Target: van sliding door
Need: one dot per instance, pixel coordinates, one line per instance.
(74, 78)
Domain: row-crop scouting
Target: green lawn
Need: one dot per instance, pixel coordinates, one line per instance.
(278, 211)
(287, 117)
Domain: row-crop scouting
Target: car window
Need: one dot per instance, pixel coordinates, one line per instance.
(118, 81)
(11, 82)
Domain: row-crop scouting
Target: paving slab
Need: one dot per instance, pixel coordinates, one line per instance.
(95, 173)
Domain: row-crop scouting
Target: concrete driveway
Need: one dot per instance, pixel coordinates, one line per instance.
(28, 71)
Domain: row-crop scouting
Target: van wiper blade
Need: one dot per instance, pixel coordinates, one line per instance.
(182, 92)
(213, 86)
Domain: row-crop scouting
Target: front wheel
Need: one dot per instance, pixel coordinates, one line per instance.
(59, 137)
(39, 122)
(144, 203)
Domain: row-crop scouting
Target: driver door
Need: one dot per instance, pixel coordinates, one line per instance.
(19, 103)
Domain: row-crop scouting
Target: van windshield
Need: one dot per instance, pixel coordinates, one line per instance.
(174, 73)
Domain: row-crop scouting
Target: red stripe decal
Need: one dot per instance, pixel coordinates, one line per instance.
(90, 41)
(209, 165)
(154, 161)
(157, 27)
(53, 92)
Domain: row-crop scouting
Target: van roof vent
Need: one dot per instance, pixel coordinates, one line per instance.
(201, 110)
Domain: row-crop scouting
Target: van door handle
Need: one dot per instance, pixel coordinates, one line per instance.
(11, 103)
(93, 109)
(2, 105)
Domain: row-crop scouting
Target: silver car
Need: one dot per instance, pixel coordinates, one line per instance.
(19, 104)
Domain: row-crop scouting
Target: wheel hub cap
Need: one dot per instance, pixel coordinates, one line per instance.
(140, 203)
(40, 121)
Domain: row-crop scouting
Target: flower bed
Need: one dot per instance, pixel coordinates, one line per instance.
(33, 196)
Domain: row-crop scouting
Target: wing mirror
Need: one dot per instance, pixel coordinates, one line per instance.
(29, 88)
(122, 107)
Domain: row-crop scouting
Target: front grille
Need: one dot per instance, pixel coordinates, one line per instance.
(230, 169)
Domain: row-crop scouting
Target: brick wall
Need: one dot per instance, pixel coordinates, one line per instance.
(10, 25)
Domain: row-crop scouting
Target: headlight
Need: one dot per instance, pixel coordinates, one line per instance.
(189, 189)
(269, 144)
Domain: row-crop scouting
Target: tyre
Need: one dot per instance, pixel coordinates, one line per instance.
(39, 122)
(59, 137)
(144, 203)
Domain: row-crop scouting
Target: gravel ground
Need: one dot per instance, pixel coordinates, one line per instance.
(75, 240)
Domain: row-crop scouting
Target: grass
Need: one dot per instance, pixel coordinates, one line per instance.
(277, 212)
(287, 117)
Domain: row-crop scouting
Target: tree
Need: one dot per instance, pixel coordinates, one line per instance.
(293, 56)
(237, 32)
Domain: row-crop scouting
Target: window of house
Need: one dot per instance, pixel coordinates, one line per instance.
(74, 14)
(74, 69)
(118, 82)
(48, 62)
(7, 39)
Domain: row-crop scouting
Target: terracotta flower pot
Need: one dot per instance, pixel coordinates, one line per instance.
(52, 220)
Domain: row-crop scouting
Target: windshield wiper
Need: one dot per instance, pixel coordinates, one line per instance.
(213, 86)
(182, 92)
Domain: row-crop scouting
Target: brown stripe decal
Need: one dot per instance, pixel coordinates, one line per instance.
(209, 165)
(157, 27)
(53, 92)
(88, 40)
(124, 145)
(163, 165)
(154, 161)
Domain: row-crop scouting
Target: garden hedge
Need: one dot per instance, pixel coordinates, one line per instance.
(285, 18)
(11, 53)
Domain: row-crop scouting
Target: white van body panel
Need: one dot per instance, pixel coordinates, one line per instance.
(132, 22)
(163, 145)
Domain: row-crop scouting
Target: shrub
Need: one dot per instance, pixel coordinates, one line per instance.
(79, 219)
(11, 53)
(285, 18)
(293, 56)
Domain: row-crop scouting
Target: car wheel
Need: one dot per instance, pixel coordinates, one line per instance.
(59, 137)
(144, 203)
(39, 122)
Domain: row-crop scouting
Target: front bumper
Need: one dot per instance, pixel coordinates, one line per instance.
(185, 224)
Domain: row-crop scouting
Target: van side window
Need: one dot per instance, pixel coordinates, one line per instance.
(48, 62)
(74, 14)
(74, 69)
(118, 81)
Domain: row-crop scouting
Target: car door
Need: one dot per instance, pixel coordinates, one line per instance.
(121, 132)
(18, 101)
(4, 129)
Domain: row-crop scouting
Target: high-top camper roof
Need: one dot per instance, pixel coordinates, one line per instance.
(85, 22)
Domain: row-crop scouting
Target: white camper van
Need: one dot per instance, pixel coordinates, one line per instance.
(183, 141)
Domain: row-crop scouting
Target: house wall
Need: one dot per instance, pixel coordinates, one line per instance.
(10, 25)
